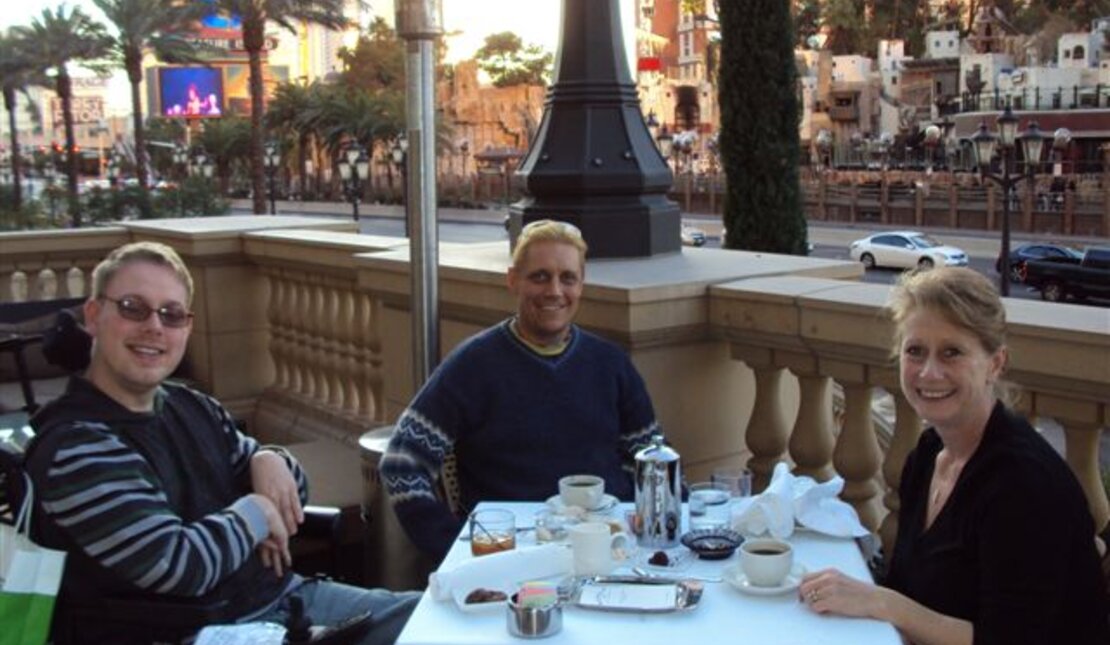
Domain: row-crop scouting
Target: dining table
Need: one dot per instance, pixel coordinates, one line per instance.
(725, 613)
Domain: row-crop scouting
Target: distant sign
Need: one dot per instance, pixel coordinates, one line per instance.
(89, 83)
(86, 109)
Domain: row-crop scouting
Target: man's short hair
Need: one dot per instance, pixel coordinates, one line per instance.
(548, 230)
(152, 252)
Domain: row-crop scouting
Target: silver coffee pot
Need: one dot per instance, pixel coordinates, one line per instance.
(658, 519)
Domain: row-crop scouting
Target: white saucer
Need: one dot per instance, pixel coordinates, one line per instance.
(735, 577)
(608, 503)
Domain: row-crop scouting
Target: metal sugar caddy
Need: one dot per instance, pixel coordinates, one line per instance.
(657, 522)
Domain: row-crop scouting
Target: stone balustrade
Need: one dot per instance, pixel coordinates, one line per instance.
(44, 265)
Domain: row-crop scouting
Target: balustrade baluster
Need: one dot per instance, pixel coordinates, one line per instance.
(46, 284)
(857, 455)
(364, 369)
(1081, 453)
(333, 325)
(317, 347)
(348, 361)
(18, 286)
(907, 429)
(811, 442)
(768, 429)
(75, 282)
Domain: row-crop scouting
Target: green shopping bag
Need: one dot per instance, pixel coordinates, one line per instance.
(29, 579)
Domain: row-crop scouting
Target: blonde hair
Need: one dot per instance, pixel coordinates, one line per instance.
(964, 298)
(152, 252)
(548, 230)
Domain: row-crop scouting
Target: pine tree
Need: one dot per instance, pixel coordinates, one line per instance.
(759, 128)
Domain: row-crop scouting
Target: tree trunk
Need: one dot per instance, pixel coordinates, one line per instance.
(302, 155)
(133, 62)
(65, 92)
(17, 158)
(253, 41)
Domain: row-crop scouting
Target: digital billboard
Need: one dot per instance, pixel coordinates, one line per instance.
(191, 92)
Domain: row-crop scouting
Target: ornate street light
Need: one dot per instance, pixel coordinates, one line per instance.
(272, 159)
(652, 124)
(353, 170)
(50, 173)
(400, 153)
(984, 145)
(180, 162)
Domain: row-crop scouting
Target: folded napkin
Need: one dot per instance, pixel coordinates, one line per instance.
(502, 570)
(789, 500)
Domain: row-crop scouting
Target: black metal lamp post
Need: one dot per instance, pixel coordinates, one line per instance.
(272, 159)
(653, 125)
(932, 140)
(1032, 142)
(180, 162)
(6, 169)
(353, 170)
(50, 173)
(464, 148)
(113, 169)
(400, 153)
(592, 162)
(665, 141)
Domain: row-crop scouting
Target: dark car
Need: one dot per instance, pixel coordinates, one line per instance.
(1037, 251)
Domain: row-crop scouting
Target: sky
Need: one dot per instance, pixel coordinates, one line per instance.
(535, 21)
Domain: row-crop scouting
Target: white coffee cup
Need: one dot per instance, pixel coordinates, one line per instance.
(766, 562)
(585, 491)
(595, 547)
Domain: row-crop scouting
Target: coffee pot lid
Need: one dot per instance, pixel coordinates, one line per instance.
(657, 451)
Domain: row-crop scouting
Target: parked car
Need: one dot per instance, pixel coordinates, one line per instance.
(1036, 251)
(1059, 278)
(905, 249)
(692, 236)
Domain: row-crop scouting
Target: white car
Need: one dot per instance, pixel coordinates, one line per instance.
(905, 249)
(692, 236)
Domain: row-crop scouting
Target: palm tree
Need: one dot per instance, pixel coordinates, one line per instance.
(52, 40)
(289, 113)
(227, 142)
(17, 71)
(254, 14)
(161, 25)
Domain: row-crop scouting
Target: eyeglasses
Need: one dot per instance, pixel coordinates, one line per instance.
(136, 309)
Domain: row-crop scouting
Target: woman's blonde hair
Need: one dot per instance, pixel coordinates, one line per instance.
(548, 230)
(152, 252)
(961, 296)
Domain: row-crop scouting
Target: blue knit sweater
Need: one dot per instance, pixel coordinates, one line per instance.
(517, 422)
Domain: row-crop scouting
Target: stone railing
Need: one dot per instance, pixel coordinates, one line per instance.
(816, 332)
(44, 265)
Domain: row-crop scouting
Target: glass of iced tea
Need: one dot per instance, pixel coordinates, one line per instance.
(492, 530)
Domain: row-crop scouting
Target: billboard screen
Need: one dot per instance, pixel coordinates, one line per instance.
(191, 92)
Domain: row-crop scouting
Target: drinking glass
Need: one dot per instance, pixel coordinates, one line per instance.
(492, 530)
(708, 505)
(737, 480)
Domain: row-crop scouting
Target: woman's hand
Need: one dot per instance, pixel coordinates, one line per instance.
(831, 592)
(270, 477)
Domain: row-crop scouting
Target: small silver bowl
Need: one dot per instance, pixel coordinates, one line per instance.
(533, 622)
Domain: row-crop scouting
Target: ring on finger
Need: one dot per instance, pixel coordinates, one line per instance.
(813, 597)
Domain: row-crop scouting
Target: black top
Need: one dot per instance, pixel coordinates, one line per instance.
(1012, 550)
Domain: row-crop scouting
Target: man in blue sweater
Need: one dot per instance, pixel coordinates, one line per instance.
(520, 404)
(152, 490)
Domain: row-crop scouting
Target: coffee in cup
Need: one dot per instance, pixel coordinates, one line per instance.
(584, 491)
(766, 562)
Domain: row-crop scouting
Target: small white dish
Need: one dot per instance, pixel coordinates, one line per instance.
(459, 595)
(735, 577)
(608, 503)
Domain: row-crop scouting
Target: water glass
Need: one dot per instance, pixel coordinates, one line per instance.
(492, 530)
(738, 481)
(709, 508)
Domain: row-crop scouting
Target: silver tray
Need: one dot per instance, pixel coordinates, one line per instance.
(636, 594)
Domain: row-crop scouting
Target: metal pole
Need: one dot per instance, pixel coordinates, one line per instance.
(419, 22)
(1007, 185)
(273, 199)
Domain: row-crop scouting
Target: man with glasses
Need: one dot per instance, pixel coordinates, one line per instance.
(521, 404)
(150, 487)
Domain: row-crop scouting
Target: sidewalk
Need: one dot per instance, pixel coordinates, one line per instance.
(979, 244)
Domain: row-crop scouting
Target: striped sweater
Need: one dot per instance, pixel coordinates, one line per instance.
(516, 422)
(151, 503)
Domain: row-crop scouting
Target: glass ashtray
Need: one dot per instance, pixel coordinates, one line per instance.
(712, 544)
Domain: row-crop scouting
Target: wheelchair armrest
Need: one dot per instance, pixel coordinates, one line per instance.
(321, 522)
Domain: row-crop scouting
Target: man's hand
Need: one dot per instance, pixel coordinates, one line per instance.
(270, 477)
(274, 550)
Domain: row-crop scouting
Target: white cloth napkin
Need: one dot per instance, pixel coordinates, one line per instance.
(789, 499)
(502, 570)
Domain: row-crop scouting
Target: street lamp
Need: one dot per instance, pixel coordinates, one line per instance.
(180, 163)
(652, 125)
(400, 153)
(984, 144)
(665, 142)
(353, 169)
(272, 159)
(50, 173)
(113, 169)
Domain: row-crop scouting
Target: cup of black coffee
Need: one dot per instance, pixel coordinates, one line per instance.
(585, 491)
(766, 562)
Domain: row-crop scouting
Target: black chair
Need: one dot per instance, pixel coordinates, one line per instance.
(23, 324)
(146, 619)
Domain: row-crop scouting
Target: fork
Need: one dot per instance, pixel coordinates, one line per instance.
(643, 573)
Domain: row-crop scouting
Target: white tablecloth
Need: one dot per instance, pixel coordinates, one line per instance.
(724, 614)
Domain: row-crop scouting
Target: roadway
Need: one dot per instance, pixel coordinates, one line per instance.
(830, 240)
